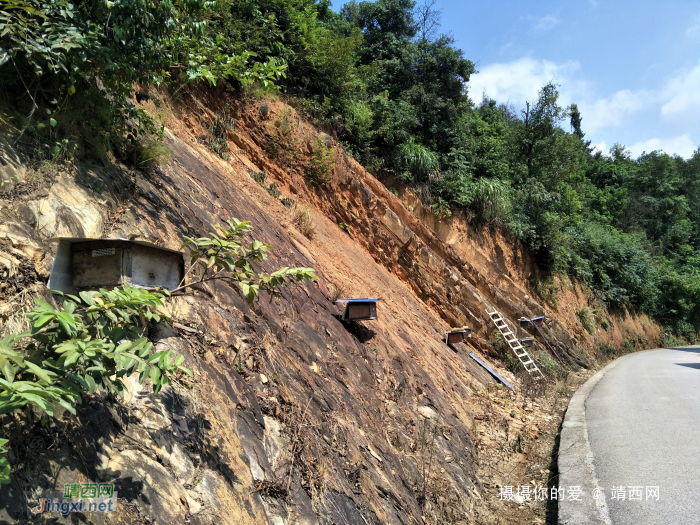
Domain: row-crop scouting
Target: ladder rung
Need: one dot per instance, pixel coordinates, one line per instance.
(514, 343)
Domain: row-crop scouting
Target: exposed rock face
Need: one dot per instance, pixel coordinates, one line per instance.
(334, 434)
(293, 417)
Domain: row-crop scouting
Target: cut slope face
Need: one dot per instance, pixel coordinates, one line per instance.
(293, 416)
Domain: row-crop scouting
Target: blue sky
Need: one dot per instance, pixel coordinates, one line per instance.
(633, 67)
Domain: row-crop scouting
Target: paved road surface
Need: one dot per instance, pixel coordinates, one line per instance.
(643, 420)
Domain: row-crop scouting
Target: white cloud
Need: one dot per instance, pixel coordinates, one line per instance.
(682, 146)
(545, 23)
(519, 81)
(601, 146)
(693, 32)
(612, 111)
(682, 110)
(671, 111)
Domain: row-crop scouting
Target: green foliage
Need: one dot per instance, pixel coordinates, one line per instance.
(416, 161)
(285, 143)
(546, 289)
(90, 344)
(82, 61)
(220, 126)
(225, 258)
(608, 350)
(441, 209)
(4, 464)
(586, 315)
(546, 364)
(322, 162)
(628, 345)
(260, 177)
(274, 191)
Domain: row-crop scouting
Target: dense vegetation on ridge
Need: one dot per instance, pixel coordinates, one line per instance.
(395, 91)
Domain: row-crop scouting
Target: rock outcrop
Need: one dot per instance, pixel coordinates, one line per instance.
(293, 417)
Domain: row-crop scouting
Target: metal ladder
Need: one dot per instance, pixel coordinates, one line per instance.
(518, 349)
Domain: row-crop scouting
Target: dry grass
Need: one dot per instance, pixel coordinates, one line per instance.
(302, 218)
(14, 311)
(153, 153)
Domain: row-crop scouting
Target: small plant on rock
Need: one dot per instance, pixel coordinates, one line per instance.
(338, 292)
(304, 220)
(221, 125)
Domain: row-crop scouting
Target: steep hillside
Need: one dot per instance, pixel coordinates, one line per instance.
(292, 416)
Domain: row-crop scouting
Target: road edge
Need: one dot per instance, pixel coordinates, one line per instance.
(575, 462)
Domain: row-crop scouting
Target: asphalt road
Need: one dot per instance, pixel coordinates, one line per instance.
(643, 420)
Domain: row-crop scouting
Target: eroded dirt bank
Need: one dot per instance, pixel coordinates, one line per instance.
(294, 417)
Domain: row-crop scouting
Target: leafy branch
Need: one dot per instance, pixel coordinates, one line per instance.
(90, 344)
(225, 258)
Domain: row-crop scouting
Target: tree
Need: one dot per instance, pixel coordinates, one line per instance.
(575, 116)
(428, 19)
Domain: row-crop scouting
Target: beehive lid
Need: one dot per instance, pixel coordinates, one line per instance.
(367, 300)
(73, 240)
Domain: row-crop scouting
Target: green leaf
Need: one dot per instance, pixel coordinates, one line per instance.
(39, 401)
(8, 370)
(71, 358)
(53, 122)
(91, 382)
(40, 373)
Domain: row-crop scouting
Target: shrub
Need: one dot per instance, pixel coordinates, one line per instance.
(546, 363)
(90, 344)
(608, 350)
(546, 289)
(322, 162)
(274, 190)
(491, 200)
(259, 177)
(628, 345)
(586, 315)
(224, 258)
(416, 162)
(220, 126)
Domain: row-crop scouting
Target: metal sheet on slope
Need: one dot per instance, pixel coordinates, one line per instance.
(491, 370)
